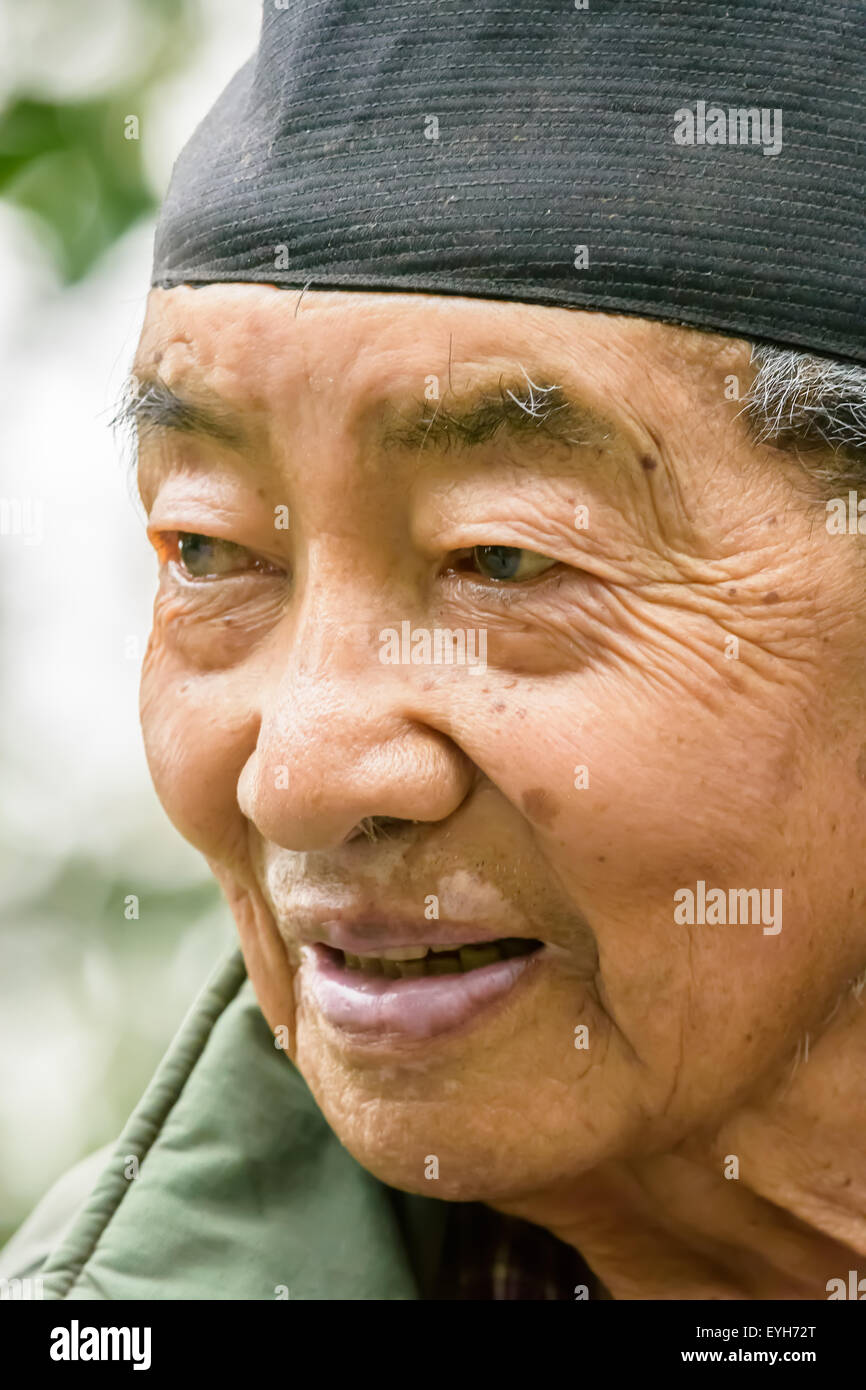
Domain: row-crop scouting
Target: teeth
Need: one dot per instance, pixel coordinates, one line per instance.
(409, 969)
(443, 965)
(411, 962)
(473, 956)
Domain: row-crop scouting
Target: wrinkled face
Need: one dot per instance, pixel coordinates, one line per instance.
(654, 703)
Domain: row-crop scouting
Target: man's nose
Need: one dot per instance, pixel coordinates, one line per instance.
(344, 738)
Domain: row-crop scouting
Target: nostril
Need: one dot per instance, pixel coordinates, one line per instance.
(375, 828)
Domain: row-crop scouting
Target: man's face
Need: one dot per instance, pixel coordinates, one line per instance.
(671, 695)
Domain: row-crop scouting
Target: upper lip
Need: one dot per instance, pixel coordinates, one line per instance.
(367, 933)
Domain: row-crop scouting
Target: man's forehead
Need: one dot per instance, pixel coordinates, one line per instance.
(258, 349)
(238, 325)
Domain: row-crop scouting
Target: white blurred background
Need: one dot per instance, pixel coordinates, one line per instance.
(89, 998)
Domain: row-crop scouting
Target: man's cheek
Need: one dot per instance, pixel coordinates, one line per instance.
(219, 627)
(626, 788)
(196, 740)
(704, 1010)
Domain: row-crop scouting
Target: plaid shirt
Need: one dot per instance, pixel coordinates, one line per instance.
(488, 1256)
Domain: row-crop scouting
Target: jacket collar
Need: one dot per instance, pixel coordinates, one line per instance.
(228, 1183)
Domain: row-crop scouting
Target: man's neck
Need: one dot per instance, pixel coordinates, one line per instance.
(772, 1206)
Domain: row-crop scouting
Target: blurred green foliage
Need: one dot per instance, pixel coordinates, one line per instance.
(89, 995)
(84, 978)
(71, 165)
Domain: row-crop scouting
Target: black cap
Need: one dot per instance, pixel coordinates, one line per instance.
(693, 161)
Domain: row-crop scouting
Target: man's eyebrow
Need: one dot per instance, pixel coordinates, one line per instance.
(513, 405)
(150, 404)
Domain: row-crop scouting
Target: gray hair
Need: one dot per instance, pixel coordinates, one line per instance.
(814, 406)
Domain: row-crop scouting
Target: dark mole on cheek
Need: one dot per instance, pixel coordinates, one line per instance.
(540, 805)
(771, 597)
(648, 464)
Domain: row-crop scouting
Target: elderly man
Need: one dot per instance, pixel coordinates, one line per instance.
(501, 415)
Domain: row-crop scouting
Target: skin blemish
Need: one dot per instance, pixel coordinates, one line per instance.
(771, 597)
(648, 464)
(498, 707)
(540, 806)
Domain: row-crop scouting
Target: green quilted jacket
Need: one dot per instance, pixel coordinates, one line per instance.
(242, 1190)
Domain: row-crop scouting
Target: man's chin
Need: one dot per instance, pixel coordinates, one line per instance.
(461, 1178)
(453, 1159)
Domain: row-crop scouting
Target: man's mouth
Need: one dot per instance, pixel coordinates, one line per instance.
(415, 962)
(412, 994)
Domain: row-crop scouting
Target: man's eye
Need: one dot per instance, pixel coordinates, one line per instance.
(205, 557)
(508, 563)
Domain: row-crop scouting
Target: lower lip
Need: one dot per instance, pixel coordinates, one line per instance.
(379, 1007)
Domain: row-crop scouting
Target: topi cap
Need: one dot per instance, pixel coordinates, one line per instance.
(695, 161)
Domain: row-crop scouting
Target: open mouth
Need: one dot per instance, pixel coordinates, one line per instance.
(415, 962)
(410, 994)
